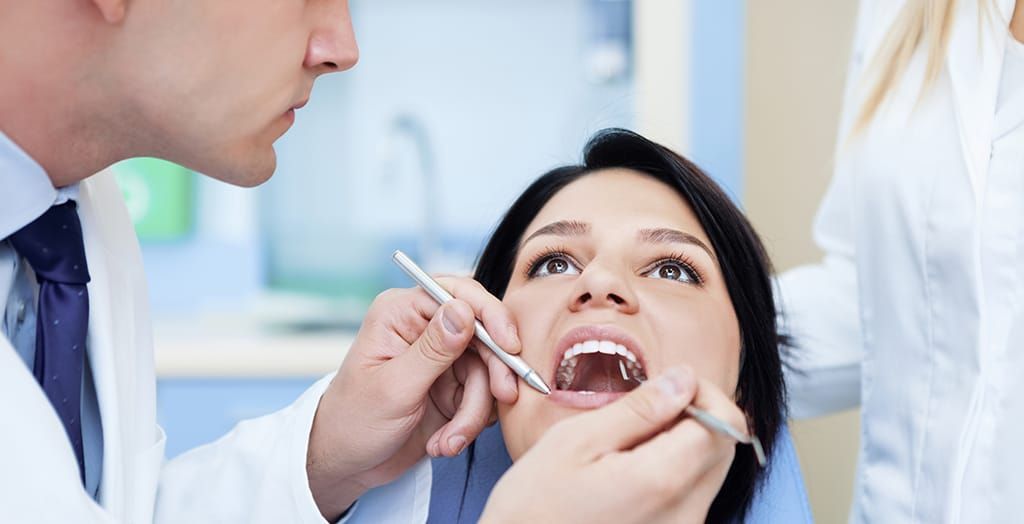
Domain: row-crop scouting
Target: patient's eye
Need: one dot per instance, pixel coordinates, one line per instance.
(553, 264)
(673, 269)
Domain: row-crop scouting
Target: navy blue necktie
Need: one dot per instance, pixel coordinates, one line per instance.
(52, 244)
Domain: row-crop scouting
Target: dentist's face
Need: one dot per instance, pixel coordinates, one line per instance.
(615, 280)
(216, 82)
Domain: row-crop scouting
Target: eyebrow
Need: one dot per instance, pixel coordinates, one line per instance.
(659, 235)
(562, 228)
(664, 235)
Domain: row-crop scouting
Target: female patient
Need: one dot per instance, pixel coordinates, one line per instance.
(615, 269)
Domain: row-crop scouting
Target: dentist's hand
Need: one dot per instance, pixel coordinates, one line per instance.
(630, 461)
(406, 388)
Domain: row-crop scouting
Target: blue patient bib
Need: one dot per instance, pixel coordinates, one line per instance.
(462, 484)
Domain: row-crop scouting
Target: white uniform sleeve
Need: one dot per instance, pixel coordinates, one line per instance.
(256, 473)
(819, 302)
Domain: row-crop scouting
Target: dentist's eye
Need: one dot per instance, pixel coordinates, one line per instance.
(674, 269)
(553, 264)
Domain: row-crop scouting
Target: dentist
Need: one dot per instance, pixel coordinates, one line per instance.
(916, 310)
(212, 85)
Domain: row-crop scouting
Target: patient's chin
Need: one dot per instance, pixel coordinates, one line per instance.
(523, 426)
(514, 441)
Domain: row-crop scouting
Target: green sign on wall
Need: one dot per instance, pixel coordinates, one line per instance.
(160, 197)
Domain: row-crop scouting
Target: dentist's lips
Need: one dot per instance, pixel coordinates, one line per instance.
(289, 115)
(612, 342)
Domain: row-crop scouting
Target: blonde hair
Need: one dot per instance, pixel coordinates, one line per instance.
(925, 23)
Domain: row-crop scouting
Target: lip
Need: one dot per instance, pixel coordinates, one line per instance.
(577, 400)
(289, 115)
(608, 332)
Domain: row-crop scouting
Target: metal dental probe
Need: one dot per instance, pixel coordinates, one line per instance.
(714, 423)
(720, 426)
(516, 364)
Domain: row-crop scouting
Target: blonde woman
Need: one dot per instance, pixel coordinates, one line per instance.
(917, 309)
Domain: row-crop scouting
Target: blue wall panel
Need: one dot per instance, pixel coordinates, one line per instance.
(199, 411)
(716, 126)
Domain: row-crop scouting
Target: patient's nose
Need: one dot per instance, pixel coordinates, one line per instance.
(601, 288)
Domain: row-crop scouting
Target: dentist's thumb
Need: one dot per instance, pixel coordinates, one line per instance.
(638, 416)
(437, 348)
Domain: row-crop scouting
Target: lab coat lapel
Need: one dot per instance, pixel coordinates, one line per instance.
(6, 283)
(120, 350)
(975, 59)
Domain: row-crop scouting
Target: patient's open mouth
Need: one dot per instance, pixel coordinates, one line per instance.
(599, 366)
(594, 365)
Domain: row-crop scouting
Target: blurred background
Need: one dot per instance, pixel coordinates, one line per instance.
(455, 106)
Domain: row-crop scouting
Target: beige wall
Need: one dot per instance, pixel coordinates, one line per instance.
(796, 61)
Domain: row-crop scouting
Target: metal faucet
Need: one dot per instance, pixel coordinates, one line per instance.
(406, 126)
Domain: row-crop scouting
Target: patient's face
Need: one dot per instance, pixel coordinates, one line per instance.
(614, 281)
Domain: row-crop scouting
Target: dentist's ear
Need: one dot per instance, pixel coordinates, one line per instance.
(112, 10)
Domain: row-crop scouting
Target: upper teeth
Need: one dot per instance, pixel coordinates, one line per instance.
(599, 346)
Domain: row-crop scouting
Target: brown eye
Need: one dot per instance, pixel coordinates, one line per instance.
(556, 264)
(669, 272)
(674, 270)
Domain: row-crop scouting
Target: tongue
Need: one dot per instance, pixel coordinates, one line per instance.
(599, 372)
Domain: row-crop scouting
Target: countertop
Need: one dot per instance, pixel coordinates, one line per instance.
(245, 349)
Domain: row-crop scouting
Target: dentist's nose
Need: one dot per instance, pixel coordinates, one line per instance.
(600, 287)
(332, 43)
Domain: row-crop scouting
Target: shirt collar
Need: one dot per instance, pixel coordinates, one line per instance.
(27, 190)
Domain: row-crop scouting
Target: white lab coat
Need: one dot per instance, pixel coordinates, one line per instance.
(256, 473)
(915, 311)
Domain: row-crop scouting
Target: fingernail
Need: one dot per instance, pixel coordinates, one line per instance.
(456, 443)
(675, 382)
(451, 321)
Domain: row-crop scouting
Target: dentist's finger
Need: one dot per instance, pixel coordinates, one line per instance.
(473, 410)
(694, 448)
(682, 466)
(418, 308)
(412, 310)
(437, 348)
(446, 392)
(643, 412)
(494, 315)
(503, 381)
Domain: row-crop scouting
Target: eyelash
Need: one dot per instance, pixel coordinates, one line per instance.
(681, 259)
(544, 256)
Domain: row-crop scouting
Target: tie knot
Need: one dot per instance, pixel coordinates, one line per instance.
(52, 244)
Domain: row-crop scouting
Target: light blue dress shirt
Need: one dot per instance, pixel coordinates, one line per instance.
(26, 193)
